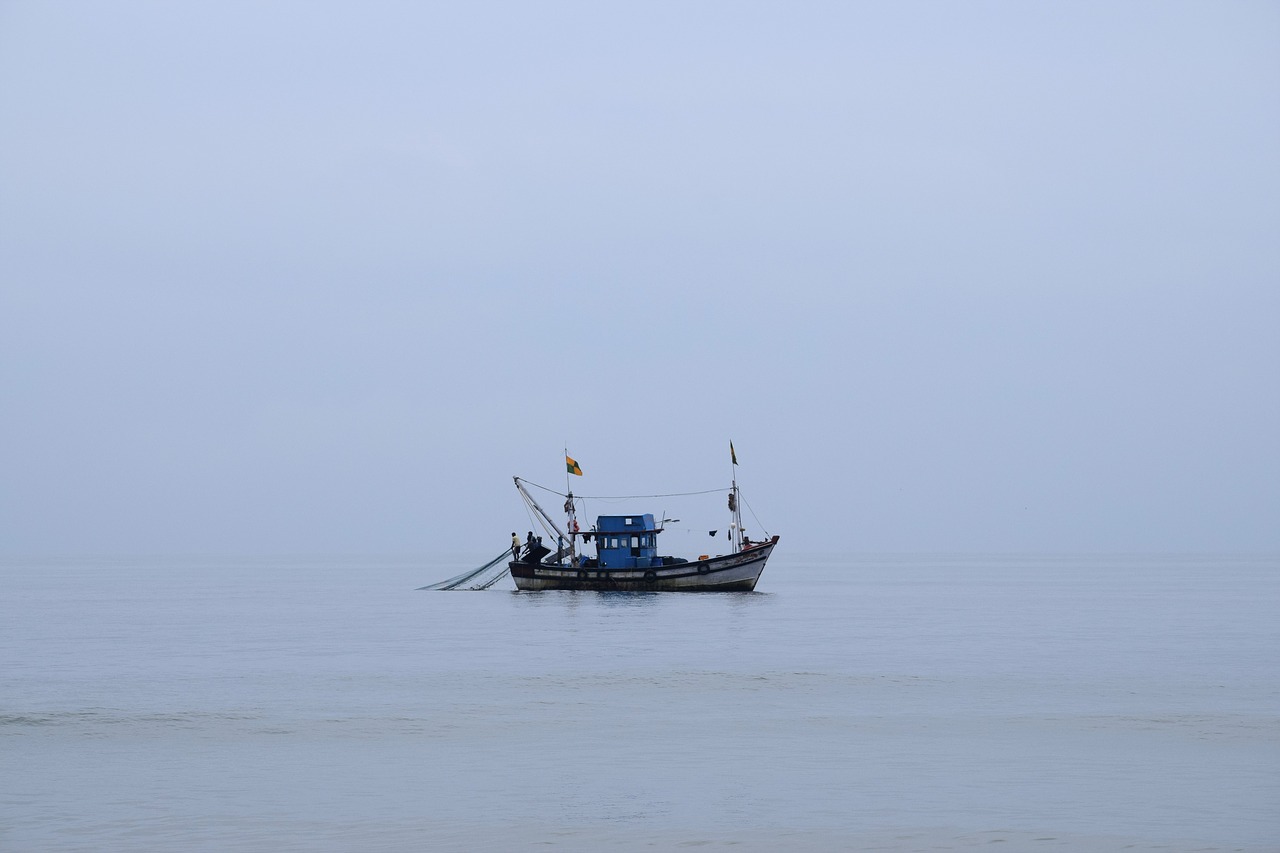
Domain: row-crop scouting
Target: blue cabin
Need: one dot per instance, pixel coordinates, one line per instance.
(627, 541)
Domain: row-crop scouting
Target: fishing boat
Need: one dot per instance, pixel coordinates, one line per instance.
(620, 552)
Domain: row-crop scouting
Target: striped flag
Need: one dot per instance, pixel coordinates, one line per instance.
(572, 466)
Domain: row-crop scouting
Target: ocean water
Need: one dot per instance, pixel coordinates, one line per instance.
(894, 703)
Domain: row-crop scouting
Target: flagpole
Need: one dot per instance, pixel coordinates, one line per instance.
(570, 511)
(734, 501)
(568, 500)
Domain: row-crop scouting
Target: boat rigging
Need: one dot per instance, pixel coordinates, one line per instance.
(625, 546)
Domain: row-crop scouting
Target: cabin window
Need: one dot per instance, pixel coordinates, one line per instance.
(628, 522)
(635, 541)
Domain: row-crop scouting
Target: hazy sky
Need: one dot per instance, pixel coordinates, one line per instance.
(321, 277)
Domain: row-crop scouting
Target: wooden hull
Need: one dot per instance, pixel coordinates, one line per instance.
(729, 573)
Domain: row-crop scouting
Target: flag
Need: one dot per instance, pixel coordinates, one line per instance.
(733, 455)
(572, 466)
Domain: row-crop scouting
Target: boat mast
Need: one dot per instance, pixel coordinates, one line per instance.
(570, 511)
(735, 505)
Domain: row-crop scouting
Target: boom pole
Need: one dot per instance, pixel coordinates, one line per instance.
(548, 524)
(545, 520)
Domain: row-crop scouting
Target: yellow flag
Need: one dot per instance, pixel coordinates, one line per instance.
(572, 466)
(733, 455)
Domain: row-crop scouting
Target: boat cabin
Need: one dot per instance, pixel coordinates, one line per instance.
(627, 541)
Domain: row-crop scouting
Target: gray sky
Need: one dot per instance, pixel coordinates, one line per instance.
(321, 277)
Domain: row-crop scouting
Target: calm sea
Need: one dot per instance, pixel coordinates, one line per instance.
(851, 703)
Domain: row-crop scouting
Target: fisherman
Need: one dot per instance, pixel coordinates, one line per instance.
(528, 543)
(515, 546)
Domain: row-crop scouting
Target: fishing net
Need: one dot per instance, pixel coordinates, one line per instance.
(481, 578)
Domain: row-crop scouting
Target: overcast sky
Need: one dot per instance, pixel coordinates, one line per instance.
(321, 277)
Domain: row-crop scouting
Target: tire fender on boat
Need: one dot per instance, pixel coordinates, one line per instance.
(702, 570)
(651, 576)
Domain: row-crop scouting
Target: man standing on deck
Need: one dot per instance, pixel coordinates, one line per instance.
(515, 546)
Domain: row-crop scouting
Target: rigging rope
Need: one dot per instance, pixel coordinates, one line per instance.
(623, 497)
(753, 515)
